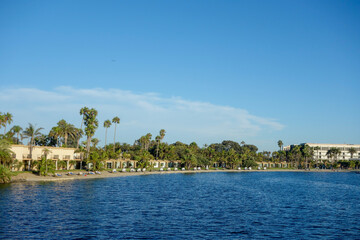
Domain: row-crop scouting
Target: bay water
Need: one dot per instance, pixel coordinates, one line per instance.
(223, 205)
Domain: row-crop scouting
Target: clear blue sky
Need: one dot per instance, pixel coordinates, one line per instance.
(257, 71)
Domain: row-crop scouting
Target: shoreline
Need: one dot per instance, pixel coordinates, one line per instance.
(31, 177)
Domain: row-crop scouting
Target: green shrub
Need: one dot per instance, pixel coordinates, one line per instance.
(5, 174)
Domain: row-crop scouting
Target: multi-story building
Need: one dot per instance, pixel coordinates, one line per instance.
(22, 154)
(321, 149)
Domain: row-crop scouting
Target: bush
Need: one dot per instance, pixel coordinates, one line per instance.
(5, 174)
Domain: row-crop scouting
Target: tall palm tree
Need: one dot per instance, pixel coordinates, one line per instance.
(79, 134)
(147, 140)
(91, 124)
(158, 141)
(115, 120)
(352, 151)
(280, 144)
(7, 119)
(82, 113)
(31, 132)
(107, 124)
(16, 130)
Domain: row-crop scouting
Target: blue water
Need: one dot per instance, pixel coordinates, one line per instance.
(257, 205)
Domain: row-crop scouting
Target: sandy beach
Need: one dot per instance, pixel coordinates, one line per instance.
(31, 177)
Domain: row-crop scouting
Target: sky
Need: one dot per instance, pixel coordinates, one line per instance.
(205, 71)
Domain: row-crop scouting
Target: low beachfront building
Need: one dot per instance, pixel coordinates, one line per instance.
(273, 164)
(130, 163)
(69, 159)
(347, 151)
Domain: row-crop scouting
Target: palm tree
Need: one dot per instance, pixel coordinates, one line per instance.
(308, 154)
(7, 119)
(352, 151)
(115, 120)
(333, 153)
(5, 152)
(91, 124)
(55, 132)
(72, 163)
(158, 141)
(147, 140)
(296, 153)
(16, 130)
(317, 148)
(280, 144)
(79, 134)
(107, 124)
(95, 142)
(66, 130)
(31, 132)
(46, 153)
(82, 113)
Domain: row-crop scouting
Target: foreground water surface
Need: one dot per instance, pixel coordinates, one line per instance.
(261, 205)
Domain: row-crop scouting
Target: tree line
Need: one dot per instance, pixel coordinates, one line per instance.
(227, 154)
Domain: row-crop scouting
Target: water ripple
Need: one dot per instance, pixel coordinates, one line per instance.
(186, 206)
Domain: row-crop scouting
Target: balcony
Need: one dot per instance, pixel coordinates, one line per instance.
(26, 156)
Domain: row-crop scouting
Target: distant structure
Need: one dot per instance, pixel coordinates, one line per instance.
(320, 150)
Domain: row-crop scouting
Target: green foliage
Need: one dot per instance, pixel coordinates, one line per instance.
(45, 140)
(45, 166)
(17, 164)
(5, 174)
(62, 164)
(96, 159)
(5, 152)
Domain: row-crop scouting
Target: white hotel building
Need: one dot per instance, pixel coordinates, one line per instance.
(320, 150)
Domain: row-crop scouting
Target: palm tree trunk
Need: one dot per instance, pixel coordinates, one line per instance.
(105, 136)
(65, 138)
(157, 151)
(78, 141)
(88, 146)
(114, 137)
